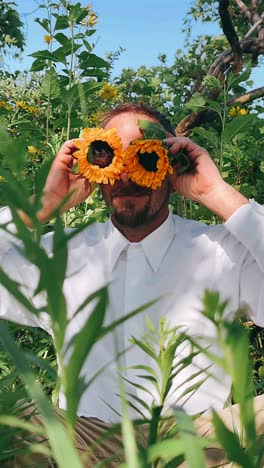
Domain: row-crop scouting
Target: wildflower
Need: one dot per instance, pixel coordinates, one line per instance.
(47, 38)
(2, 179)
(232, 112)
(147, 162)
(104, 165)
(92, 19)
(237, 111)
(88, 7)
(108, 92)
(21, 105)
(32, 109)
(5, 105)
(243, 111)
(33, 150)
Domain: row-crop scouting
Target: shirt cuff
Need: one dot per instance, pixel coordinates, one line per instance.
(5, 215)
(6, 237)
(247, 225)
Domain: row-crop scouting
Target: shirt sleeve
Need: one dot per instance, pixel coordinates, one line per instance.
(247, 225)
(26, 275)
(6, 238)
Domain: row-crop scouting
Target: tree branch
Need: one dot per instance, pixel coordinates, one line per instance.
(254, 11)
(230, 34)
(255, 26)
(247, 97)
(251, 46)
(197, 118)
(244, 10)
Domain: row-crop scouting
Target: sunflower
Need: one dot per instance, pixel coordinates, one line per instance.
(147, 162)
(102, 163)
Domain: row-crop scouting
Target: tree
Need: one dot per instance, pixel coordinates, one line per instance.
(11, 28)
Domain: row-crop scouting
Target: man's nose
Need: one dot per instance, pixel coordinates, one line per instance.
(124, 177)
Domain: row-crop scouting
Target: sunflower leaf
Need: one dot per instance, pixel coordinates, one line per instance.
(152, 130)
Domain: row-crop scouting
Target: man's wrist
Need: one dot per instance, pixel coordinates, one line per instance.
(223, 200)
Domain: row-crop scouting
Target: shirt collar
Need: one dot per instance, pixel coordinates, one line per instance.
(155, 245)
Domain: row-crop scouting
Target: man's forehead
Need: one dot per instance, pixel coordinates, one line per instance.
(127, 119)
(127, 127)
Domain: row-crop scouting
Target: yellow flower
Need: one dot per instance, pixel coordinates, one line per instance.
(1, 179)
(232, 112)
(92, 19)
(21, 105)
(32, 109)
(47, 38)
(147, 162)
(5, 105)
(109, 163)
(243, 111)
(33, 150)
(108, 92)
(237, 111)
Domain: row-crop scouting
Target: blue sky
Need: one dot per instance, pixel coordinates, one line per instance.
(144, 28)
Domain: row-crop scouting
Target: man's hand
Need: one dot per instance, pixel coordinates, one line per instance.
(60, 183)
(203, 183)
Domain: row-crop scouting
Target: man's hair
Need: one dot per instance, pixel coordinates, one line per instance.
(138, 108)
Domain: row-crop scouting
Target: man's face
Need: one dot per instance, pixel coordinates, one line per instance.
(132, 205)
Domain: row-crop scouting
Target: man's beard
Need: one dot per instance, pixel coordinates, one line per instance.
(134, 218)
(131, 217)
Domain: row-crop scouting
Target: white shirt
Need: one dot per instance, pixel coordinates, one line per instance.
(175, 263)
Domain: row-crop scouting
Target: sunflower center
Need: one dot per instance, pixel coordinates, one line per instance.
(100, 154)
(148, 161)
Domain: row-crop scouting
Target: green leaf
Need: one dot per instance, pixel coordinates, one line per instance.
(165, 450)
(81, 346)
(91, 60)
(78, 92)
(13, 288)
(74, 11)
(63, 449)
(62, 39)
(152, 130)
(140, 401)
(146, 347)
(45, 55)
(50, 85)
(237, 125)
(209, 135)
(146, 369)
(194, 454)
(197, 102)
(129, 439)
(38, 65)
(44, 23)
(40, 178)
(230, 443)
(62, 52)
(62, 22)
(237, 357)
(215, 106)
(235, 79)
(211, 82)
(62, 123)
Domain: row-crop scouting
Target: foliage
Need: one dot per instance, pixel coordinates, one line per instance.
(11, 28)
(67, 88)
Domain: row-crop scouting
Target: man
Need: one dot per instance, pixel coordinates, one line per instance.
(144, 253)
